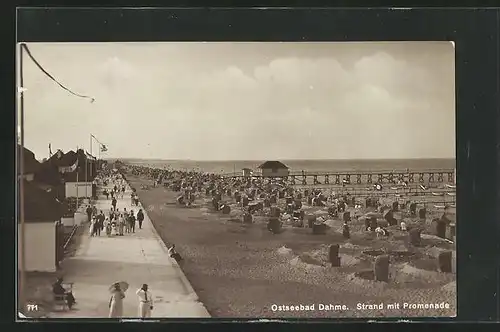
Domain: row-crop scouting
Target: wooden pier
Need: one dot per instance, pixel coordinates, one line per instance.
(445, 176)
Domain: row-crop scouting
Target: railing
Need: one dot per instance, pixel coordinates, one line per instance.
(67, 241)
(352, 172)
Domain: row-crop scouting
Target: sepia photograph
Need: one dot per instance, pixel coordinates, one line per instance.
(236, 180)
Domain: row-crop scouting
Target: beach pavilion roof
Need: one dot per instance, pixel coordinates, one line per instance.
(273, 164)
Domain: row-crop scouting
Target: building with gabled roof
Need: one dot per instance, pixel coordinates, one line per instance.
(30, 165)
(274, 168)
(42, 212)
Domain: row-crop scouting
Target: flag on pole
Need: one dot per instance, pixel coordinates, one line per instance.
(74, 166)
(104, 148)
(89, 156)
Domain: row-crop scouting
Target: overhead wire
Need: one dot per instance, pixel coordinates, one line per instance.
(28, 52)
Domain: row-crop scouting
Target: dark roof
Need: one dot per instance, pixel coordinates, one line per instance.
(68, 159)
(273, 164)
(40, 205)
(31, 165)
(48, 174)
(55, 159)
(60, 159)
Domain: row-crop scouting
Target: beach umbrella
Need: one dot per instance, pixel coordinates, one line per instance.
(123, 286)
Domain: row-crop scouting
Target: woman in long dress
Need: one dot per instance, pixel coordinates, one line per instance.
(114, 229)
(121, 225)
(116, 302)
(92, 226)
(107, 225)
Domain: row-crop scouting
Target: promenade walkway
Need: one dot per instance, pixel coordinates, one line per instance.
(136, 258)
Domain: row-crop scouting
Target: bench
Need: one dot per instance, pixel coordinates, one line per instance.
(60, 300)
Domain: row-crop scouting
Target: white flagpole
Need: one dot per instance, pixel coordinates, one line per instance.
(86, 174)
(77, 185)
(91, 155)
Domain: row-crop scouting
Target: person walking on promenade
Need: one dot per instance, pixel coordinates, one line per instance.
(107, 226)
(132, 221)
(114, 227)
(97, 226)
(126, 218)
(113, 203)
(110, 215)
(121, 225)
(112, 194)
(140, 218)
(115, 189)
(94, 211)
(105, 192)
(123, 191)
(100, 223)
(116, 302)
(145, 301)
(89, 213)
(92, 227)
(102, 216)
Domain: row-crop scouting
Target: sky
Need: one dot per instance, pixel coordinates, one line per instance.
(243, 101)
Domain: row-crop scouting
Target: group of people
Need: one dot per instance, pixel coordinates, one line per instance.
(116, 301)
(116, 223)
(134, 199)
(115, 192)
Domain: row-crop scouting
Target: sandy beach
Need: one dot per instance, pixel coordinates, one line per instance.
(241, 270)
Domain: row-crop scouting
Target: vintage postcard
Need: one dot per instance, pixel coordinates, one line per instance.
(237, 180)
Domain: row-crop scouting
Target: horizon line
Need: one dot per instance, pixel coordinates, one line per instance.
(284, 159)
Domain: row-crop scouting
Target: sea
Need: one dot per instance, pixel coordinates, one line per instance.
(316, 166)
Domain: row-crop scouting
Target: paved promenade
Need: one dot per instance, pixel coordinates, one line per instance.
(136, 258)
